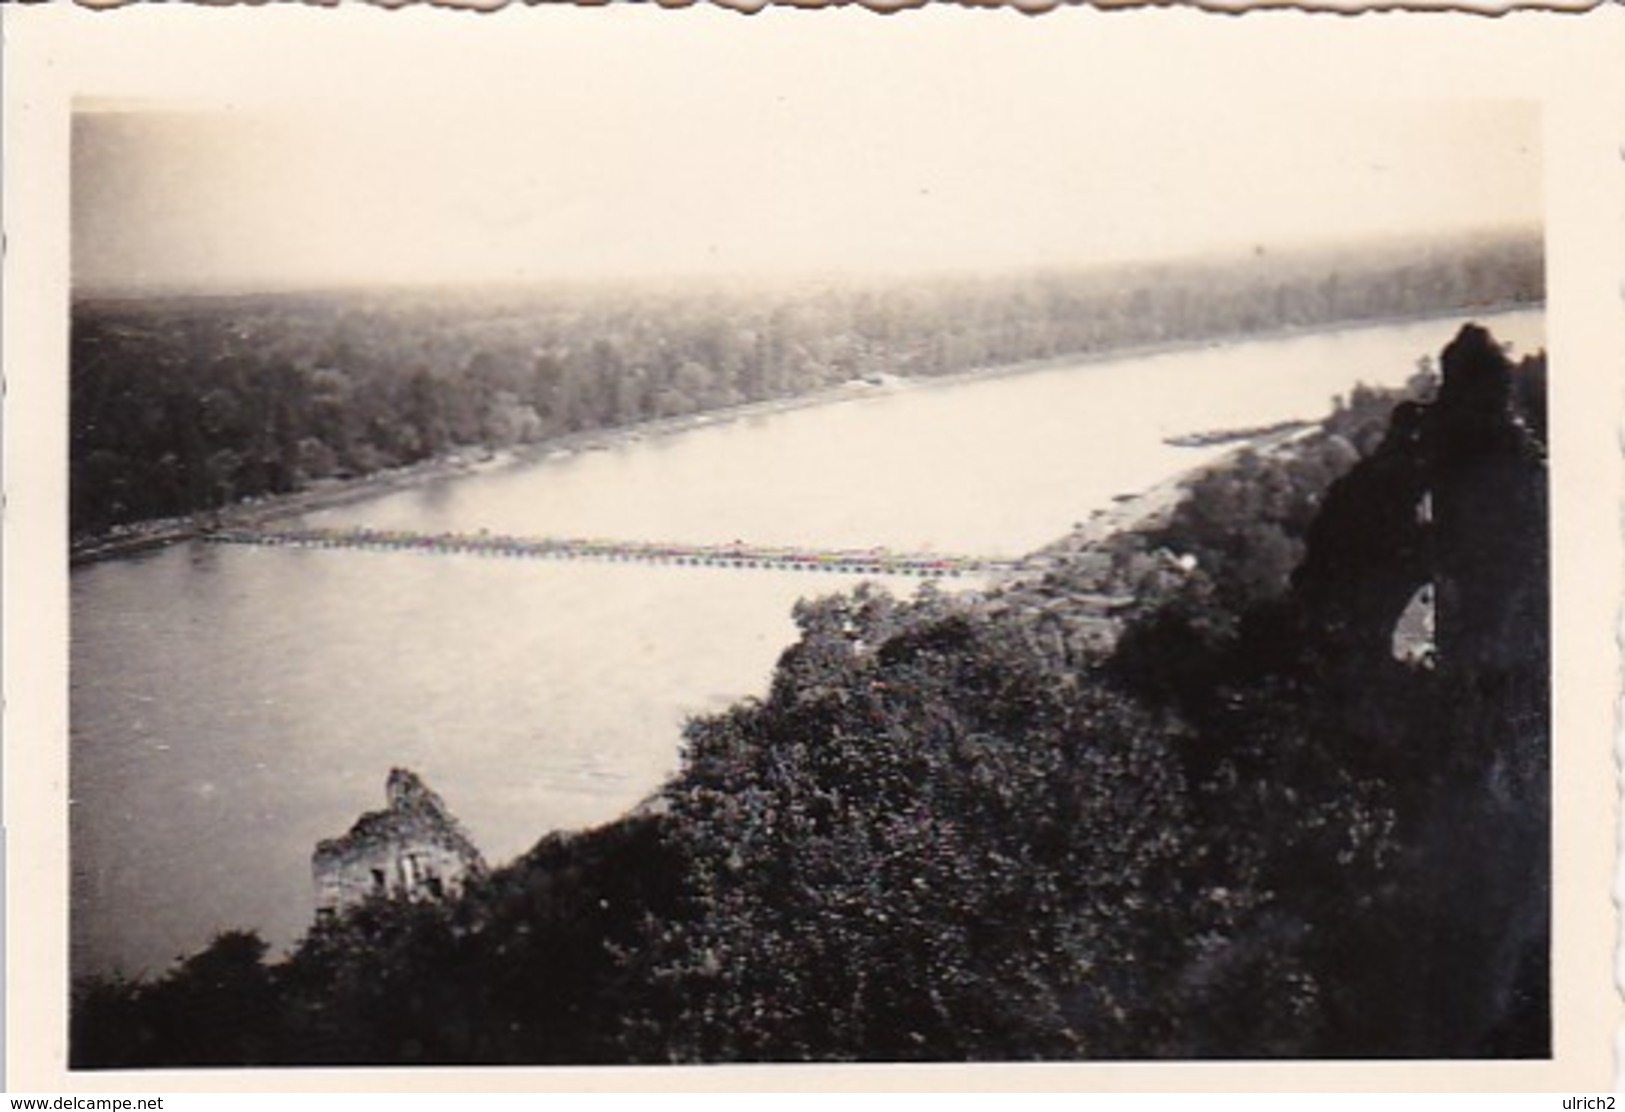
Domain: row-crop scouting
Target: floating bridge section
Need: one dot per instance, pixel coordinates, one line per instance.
(877, 561)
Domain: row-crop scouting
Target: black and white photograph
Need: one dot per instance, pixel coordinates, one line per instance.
(667, 538)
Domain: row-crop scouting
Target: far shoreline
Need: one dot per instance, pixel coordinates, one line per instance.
(140, 537)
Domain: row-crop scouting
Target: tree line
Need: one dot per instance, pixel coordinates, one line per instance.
(181, 405)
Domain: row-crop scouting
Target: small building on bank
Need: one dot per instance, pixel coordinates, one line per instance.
(414, 850)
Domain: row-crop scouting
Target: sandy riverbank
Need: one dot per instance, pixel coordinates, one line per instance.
(1151, 507)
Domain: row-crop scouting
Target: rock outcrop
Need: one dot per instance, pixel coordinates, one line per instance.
(1454, 500)
(414, 849)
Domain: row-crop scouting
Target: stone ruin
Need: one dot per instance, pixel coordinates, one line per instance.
(413, 850)
(1435, 547)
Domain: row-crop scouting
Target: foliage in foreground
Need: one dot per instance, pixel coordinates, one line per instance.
(947, 832)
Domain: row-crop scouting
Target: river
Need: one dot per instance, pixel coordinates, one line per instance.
(230, 706)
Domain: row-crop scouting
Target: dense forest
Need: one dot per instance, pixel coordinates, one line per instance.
(185, 404)
(1225, 816)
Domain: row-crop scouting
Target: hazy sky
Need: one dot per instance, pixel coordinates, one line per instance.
(711, 143)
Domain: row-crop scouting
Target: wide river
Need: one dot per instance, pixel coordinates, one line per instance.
(231, 706)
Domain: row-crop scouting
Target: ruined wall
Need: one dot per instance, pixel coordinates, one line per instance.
(1453, 501)
(1454, 504)
(414, 849)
